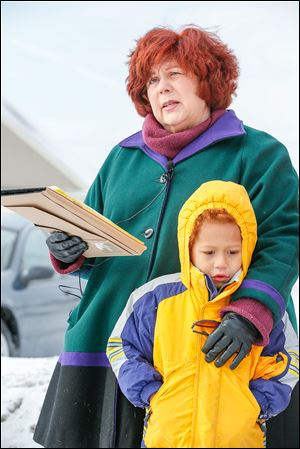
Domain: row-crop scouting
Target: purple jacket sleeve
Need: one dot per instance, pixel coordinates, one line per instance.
(130, 350)
(278, 372)
(272, 396)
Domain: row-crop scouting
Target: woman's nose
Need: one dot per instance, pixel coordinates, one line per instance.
(164, 85)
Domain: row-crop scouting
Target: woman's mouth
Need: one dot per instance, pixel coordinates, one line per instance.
(169, 105)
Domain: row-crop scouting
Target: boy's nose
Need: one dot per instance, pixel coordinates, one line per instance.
(220, 262)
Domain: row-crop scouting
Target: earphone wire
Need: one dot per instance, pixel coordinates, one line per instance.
(109, 258)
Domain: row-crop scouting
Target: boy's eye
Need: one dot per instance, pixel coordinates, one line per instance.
(233, 252)
(208, 252)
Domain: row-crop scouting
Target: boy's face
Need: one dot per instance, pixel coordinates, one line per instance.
(217, 251)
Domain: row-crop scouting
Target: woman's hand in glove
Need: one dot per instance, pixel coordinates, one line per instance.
(64, 247)
(234, 334)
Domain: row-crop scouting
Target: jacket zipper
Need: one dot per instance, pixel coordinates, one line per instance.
(167, 176)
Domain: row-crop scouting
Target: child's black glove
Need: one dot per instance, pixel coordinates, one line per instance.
(64, 247)
(234, 334)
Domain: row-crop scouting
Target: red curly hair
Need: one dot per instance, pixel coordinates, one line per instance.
(197, 51)
(212, 215)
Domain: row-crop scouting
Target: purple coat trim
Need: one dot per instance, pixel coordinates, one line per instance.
(227, 126)
(84, 359)
(136, 140)
(160, 158)
(266, 288)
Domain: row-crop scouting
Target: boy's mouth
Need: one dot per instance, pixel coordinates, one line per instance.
(220, 278)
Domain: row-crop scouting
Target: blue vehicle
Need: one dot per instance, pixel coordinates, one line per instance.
(34, 304)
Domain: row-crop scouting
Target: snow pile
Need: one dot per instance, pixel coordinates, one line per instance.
(24, 382)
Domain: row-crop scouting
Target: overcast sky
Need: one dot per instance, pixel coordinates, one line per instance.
(64, 67)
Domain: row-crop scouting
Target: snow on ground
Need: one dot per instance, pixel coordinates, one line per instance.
(24, 382)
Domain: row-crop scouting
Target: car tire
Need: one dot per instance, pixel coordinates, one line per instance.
(8, 347)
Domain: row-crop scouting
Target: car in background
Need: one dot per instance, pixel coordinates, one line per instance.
(35, 300)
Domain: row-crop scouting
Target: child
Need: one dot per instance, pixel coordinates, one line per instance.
(155, 347)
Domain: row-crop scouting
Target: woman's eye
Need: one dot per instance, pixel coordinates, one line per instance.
(208, 252)
(233, 252)
(152, 80)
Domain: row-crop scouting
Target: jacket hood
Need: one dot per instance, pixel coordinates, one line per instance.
(217, 194)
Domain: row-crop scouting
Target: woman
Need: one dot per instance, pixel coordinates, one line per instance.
(182, 84)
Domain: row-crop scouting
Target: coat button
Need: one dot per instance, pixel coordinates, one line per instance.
(148, 233)
(162, 179)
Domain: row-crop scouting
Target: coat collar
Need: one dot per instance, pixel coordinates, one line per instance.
(226, 127)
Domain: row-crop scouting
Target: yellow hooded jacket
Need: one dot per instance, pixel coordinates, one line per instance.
(155, 353)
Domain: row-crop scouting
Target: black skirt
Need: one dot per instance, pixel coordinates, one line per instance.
(283, 429)
(84, 407)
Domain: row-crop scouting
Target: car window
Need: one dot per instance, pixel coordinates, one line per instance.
(36, 253)
(8, 239)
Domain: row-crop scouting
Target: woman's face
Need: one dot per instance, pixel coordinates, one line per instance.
(172, 94)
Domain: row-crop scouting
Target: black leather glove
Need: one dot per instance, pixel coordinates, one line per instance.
(234, 334)
(64, 247)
